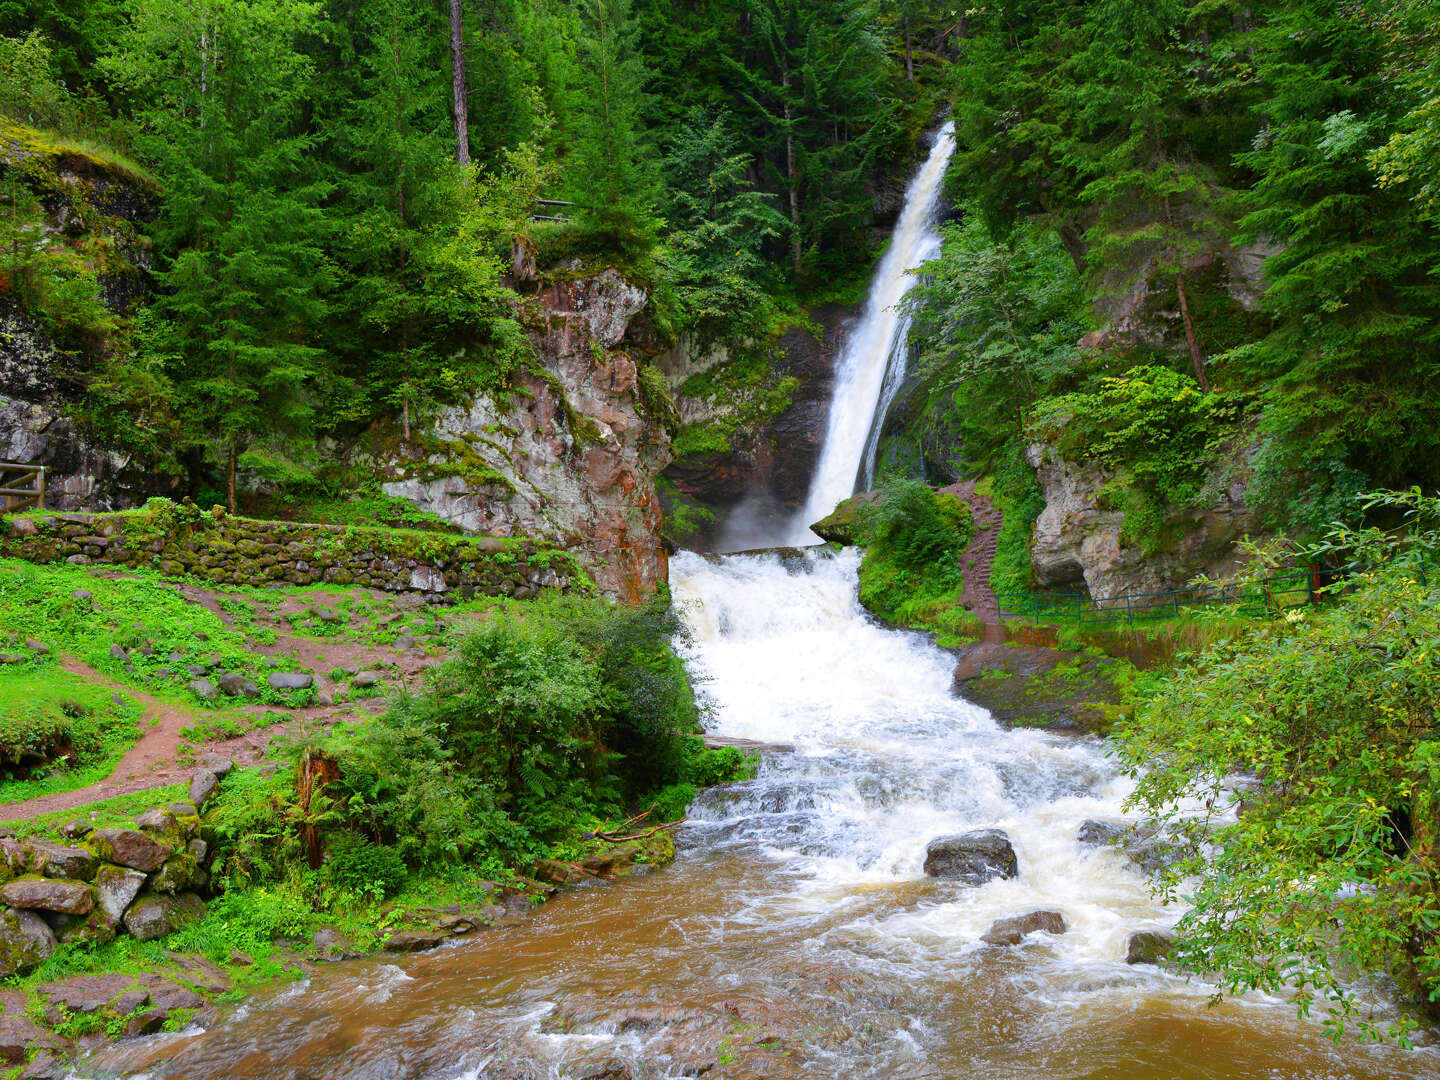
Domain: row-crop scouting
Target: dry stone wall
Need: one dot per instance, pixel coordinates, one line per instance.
(178, 540)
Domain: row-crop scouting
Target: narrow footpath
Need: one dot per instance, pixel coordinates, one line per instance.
(978, 597)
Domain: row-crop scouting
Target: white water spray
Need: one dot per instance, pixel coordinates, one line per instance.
(872, 364)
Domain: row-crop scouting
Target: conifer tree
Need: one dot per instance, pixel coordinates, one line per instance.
(221, 88)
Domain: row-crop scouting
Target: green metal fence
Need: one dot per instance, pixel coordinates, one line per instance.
(1266, 596)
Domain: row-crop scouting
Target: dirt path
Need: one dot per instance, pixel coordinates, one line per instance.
(979, 557)
(154, 760)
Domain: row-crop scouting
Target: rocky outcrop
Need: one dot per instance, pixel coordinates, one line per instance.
(972, 858)
(1077, 544)
(570, 454)
(1032, 686)
(753, 455)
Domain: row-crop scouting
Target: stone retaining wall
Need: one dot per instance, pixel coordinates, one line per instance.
(91, 885)
(179, 540)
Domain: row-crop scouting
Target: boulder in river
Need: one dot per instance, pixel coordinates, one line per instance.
(973, 858)
(1012, 930)
(1148, 947)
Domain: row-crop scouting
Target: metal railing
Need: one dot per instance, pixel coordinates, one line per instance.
(1265, 596)
(21, 487)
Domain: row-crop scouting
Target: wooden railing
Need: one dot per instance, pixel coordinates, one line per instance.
(21, 487)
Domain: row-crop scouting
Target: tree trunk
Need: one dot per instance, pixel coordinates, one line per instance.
(1197, 358)
(457, 80)
(792, 183)
(230, 478)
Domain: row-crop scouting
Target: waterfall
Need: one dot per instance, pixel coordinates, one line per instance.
(871, 366)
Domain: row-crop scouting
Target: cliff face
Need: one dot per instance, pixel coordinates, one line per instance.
(569, 456)
(1076, 543)
(92, 212)
(761, 423)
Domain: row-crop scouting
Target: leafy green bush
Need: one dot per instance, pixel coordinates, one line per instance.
(1335, 861)
(1155, 430)
(913, 539)
(361, 867)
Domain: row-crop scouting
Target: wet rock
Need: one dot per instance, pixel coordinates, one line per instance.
(408, 941)
(290, 680)
(46, 894)
(218, 764)
(53, 860)
(46, 1066)
(238, 686)
(1148, 947)
(333, 945)
(25, 940)
(130, 1001)
(168, 995)
(366, 678)
(1099, 833)
(179, 874)
(115, 888)
(204, 689)
(202, 786)
(132, 848)
(147, 1023)
(1012, 930)
(88, 993)
(20, 1036)
(973, 858)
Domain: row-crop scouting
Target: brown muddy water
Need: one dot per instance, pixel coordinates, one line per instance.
(796, 935)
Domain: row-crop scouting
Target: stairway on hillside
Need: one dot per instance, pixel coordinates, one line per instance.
(979, 557)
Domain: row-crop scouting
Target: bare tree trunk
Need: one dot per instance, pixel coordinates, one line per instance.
(1197, 358)
(457, 80)
(792, 183)
(230, 478)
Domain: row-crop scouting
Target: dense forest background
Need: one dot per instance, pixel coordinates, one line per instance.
(350, 192)
(1184, 233)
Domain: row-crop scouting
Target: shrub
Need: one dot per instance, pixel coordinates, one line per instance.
(361, 867)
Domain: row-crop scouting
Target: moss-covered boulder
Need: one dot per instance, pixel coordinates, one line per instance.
(25, 940)
(839, 526)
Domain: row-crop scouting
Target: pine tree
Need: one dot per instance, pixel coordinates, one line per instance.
(221, 88)
(613, 177)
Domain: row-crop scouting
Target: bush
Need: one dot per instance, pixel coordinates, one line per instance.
(913, 539)
(363, 868)
(1334, 863)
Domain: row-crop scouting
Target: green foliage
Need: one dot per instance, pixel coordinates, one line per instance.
(913, 539)
(1017, 495)
(1155, 430)
(138, 613)
(364, 868)
(996, 321)
(1332, 711)
(58, 732)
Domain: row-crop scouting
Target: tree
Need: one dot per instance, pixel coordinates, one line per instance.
(222, 88)
(460, 91)
(613, 177)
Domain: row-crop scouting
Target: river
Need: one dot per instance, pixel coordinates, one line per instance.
(796, 935)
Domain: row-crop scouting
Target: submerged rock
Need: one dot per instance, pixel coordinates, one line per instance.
(973, 858)
(1012, 930)
(1148, 947)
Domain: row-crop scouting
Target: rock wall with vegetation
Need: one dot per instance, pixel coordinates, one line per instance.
(179, 540)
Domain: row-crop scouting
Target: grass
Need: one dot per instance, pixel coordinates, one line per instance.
(120, 810)
(369, 509)
(161, 630)
(55, 144)
(57, 732)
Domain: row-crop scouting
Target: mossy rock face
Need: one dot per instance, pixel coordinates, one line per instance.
(839, 526)
(25, 941)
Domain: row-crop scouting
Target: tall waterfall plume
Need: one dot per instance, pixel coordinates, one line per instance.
(871, 366)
